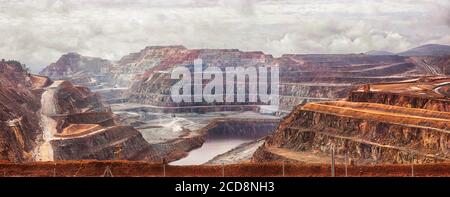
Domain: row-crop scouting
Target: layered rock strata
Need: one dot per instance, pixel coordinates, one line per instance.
(303, 78)
(19, 116)
(368, 127)
(85, 128)
(86, 71)
(41, 119)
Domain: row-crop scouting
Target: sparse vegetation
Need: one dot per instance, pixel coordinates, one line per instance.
(18, 65)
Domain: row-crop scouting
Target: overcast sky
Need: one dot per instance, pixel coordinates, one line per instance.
(38, 32)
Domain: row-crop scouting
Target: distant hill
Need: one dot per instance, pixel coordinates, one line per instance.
(71, 64)
(375, 52)
(427, 50)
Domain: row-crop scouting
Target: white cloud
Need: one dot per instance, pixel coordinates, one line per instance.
(37, 32)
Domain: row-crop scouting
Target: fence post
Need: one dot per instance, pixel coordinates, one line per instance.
(332, 163)
(412, 165)
(223, 169)
(346, 163)
(164, 170)
(54, 170)
(107, 172)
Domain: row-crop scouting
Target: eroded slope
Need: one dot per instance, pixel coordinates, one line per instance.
(379, 123)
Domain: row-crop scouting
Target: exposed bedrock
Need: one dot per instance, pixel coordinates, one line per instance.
(81, 70)
(430, 93)
(303, 78)
(73, 63)
(237, 128)
(115, 142)
(176, 149)
(144, 77)
(112, 95)
(369, 128)
(75, 99)
(364, 140)
(184, 109)
(292, 94)
(104, 119)
(85, 129)
(19, 106)
(401, 100)
(79, 126)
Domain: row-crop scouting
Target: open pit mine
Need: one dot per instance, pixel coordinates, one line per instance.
(376, 113)
(404, 122)
(45, 120)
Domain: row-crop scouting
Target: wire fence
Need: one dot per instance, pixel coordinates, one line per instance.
(285, 168)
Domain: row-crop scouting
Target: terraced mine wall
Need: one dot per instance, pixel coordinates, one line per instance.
(412, 101)
(17, 137)
(72, 99)
(144, 77)
(366, 132)
(85, 129)
(104, 119)
(238, 128)
(291, 94)
(19, 117)
(112, 95)
(370, 143)
(101, 140)
(303, 78)
(194, 109)
(117, 142)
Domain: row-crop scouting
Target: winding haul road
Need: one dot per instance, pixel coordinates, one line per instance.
(44, 152)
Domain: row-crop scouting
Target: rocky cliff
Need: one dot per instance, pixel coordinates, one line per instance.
(428, 93)
(145, 76)
(81, 70)
(83, 128)
(378, 123)
(41, 119)
(154, 86)
(303, 78)
(19, 117)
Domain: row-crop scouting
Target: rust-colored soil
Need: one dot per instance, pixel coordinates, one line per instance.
(427, 87)
(78, 129)
(137, 169)
(380, 114)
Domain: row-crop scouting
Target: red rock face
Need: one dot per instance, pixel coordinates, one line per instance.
(81, 70)
(77, 99)
(303, 78)
(71, 63)
(19, 117)
(81, 120)
(426, 93)
(154, 86)
(435, 65)
(85, 129)
(379, 123)
(107, 143)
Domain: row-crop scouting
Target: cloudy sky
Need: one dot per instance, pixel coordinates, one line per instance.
(38, 32)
